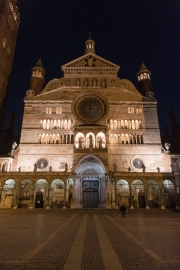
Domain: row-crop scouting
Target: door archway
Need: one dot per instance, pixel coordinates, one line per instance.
(90, 183)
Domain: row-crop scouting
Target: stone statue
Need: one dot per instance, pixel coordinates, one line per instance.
(14, 145)
(90, 140)
(66, 167)
(19, 169)
(94, 82)
(167, 146)
(50, 169)
(158, 169)
(35, 167)
(80, 142)
(115, 167)
(143, 167)
(129, 169)
(100, 143)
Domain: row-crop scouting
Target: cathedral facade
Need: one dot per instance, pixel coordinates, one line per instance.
(89, 140)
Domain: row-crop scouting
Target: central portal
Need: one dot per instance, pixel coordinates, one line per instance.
(90, 194)
(89, 186)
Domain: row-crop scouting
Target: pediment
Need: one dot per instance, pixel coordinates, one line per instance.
(90, 60)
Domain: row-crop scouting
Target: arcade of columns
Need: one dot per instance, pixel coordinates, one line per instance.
(111, 186)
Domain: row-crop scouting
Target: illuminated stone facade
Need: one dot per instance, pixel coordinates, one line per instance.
(88, 140)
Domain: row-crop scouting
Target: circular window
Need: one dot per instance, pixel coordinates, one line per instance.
(137, 163)
(42, 163)
(89, 108)
(4, 42)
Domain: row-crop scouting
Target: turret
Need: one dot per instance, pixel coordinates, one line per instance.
(37, 77)
(144, 82)
(90, 45)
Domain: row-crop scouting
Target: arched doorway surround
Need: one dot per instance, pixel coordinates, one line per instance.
(90, 183)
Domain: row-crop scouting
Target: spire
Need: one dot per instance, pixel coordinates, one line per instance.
(37, 77)
(39, 64)
(143, 73)
(90, 45)
(144, 81)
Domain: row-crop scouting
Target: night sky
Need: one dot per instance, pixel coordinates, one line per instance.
(125, 32)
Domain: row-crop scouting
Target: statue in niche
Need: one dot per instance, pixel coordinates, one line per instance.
(35, 167)
(158, 169)
(77, 82)
(66, 167)
(85, 83)
(80, 142)
(103, 83)
(19, 169)
(50, 169)
(90, 140)
(94, 82)
(100, 143)
(129, 169)
(115, 167)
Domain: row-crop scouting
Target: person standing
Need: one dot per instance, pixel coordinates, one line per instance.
(123, 210)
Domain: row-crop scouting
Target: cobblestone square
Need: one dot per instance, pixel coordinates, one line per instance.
(89, 239)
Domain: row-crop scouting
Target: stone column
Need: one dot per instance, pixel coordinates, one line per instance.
(31, 206)
(115, 193)
(49, 189)
(177, 205)
(146, 196)
(131, 203)
(161, 197)
(64, 206)
(62, 139)
(1, 188)
(73, 200)
(15, 206)
(70, 142)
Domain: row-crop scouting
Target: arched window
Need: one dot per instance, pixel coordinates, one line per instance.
(111, 124)
(129, 110)
(137, 110)
(132, 110)
(122, 138)
(115, 124)
(133, 124)
(122, 124)
(126, 124)
(44, 124)
(137, 124)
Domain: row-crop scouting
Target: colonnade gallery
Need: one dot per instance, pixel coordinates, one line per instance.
(89, 140)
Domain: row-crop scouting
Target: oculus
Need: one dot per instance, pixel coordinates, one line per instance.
(42, 163)
(137, 163)
(90, 108)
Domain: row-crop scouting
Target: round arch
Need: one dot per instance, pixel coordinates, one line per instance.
(90, 183)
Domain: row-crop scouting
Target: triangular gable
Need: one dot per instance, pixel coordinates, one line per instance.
(90, 60)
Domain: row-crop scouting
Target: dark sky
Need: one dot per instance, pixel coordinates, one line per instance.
(125, 32)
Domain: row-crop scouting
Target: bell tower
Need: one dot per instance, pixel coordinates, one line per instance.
(90, 45)
(37, 77)
(144, 81)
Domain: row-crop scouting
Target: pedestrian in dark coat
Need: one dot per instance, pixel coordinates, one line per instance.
(123, 210)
